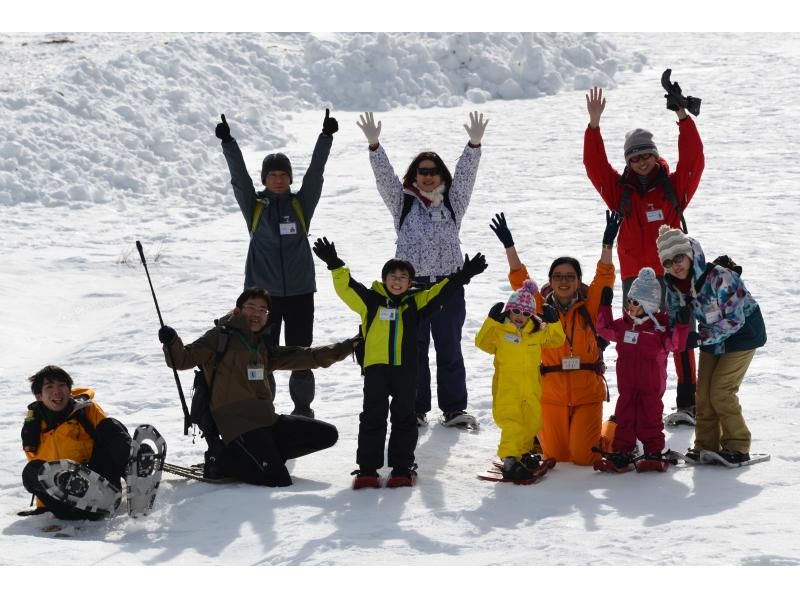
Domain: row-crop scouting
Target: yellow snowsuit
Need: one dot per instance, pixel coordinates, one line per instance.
(517, 382)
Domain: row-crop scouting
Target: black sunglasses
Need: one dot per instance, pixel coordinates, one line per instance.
(517, 311)
(428, 171)
(633, 302)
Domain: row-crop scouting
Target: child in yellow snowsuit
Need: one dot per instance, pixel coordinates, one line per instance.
(515, 335)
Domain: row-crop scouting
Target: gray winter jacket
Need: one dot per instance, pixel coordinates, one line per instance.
(279, 257)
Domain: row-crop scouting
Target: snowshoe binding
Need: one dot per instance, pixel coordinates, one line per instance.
(653, 462)
(459, 419)
(365, 479)
(614, 462)
(145, 464)
(78, 486)
(402, 477)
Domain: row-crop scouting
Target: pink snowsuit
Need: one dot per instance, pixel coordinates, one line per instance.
(642, 352)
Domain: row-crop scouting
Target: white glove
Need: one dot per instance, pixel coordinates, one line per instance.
(367, 125)
(476, 127)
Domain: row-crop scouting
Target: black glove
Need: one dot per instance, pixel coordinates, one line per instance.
(223, 131)
(496, 313)
(326, 251)
(684, 314)
(501, 229)
(473, 267)
(613, 222)
(549, 314)
(166, 335)
(674, 96)
(329, 125)
(692, 340)
(607, 296)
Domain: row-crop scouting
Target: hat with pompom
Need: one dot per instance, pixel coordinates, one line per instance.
(646, 290)
(523, 299)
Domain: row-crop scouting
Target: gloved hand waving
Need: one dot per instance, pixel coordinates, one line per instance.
(326, 251)
(367, 125)
(476, 127)
(613, 222)
(501, 229)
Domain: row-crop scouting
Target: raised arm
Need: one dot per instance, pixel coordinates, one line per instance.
(311, 189)
(467, 166)
(243, 188)
(500, 228)
(603, 176)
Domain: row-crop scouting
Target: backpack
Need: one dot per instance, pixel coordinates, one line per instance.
(200, 409)
(662, 180)
(358, 352)
(259, 209)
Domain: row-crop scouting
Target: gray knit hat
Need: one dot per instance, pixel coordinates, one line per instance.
(672, 242)
(637, 142)
(275, 162)
(646, 290)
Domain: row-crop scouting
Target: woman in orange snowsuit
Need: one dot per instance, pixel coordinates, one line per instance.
(573, 388)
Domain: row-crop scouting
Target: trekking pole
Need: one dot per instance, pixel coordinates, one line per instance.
(169, 351)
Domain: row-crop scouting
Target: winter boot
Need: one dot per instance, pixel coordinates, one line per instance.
(365, 478)
(515, 471)
(615, 462)
(531, 461)
(459, 418)
(76, 485)
(733, 456)
(402, 476)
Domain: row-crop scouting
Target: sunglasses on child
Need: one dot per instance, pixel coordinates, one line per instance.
(517, 311)
(676, 260)
(428, 171)
(633, 302)
(637, 159)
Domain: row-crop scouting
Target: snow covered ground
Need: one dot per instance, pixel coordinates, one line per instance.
(109, 139)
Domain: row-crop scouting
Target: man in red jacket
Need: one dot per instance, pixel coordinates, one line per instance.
(648, 195)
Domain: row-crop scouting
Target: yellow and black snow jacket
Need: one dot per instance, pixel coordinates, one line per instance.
(389, 323)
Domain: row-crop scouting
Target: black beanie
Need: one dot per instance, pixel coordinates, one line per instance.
(275, 162)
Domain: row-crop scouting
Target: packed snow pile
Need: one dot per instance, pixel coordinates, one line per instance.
(138, 124)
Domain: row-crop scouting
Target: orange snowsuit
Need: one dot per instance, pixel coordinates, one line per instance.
(572, 400)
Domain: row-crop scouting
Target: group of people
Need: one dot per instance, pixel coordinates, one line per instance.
(548, 387)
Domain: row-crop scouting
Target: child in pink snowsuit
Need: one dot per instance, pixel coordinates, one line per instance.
(643, 341)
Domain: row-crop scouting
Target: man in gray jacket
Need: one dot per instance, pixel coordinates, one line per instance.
(279, 257)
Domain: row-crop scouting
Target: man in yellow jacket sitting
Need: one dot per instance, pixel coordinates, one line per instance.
(65, 423)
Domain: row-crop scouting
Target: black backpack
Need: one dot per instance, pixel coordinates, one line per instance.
(200, 409)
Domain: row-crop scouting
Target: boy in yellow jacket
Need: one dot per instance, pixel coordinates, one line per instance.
(515, 335)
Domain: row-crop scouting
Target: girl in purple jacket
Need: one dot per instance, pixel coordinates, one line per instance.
(643, 341)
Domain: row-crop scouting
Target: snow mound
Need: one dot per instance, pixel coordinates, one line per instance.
(135, 121)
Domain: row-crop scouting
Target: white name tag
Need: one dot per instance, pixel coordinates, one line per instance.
(712, 313)
(288, 228)
(655, 215)
(255, 372)
(571, 363)
(437, 215)
(631, 337)
(511, 338)
(386, 313)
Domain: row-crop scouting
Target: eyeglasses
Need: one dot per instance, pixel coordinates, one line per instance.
(428, 171)
(262, 311)
(517, 311)
(633, 302)
(564, 277)
(636, 159)
(676, 260)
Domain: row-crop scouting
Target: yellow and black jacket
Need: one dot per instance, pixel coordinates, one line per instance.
(389, 323)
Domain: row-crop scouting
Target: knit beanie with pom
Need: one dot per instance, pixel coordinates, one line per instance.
(523, 299)
(646, 290)
(672, 242)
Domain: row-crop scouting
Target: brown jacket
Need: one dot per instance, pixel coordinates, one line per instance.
(239, 405)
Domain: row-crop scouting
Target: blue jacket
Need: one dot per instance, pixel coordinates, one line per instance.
(728, 318)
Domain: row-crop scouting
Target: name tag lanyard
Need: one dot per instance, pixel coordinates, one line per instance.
(571, 335)
(253, 352)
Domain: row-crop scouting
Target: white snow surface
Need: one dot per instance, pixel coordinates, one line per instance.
(109, 139)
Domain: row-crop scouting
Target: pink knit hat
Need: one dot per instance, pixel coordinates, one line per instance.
(523, 299)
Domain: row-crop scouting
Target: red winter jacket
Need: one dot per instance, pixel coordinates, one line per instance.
(636, 245)
(641, 365)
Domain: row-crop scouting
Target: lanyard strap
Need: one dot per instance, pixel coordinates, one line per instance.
(253, 352)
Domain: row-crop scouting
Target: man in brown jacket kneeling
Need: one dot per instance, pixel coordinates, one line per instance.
(255, 441)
